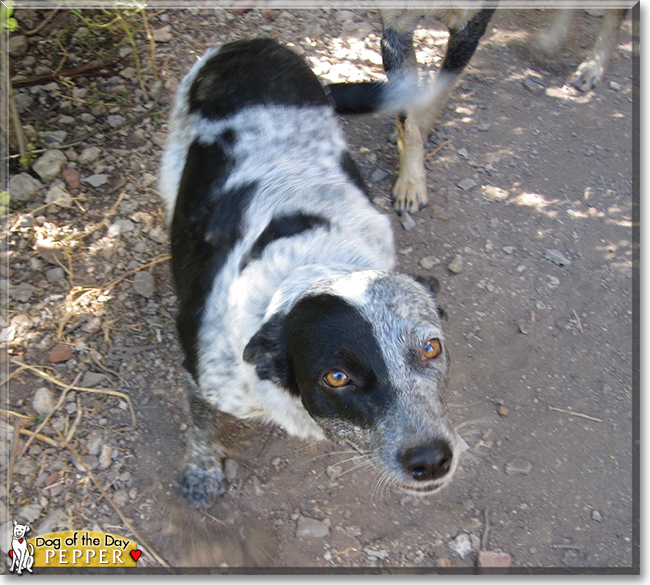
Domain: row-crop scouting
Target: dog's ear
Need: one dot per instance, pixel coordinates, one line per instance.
(27, 527)
(432, 284)
(267, 351)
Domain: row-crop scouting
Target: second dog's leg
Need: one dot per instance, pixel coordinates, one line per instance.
(410, 191)
(549, 41)
(203, 477)
(590, 72)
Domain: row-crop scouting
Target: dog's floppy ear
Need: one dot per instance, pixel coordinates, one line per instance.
(267, 351)
(15, 523)
(432, 284)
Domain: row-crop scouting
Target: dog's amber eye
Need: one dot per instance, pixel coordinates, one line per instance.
(431, 349)
(336, 379)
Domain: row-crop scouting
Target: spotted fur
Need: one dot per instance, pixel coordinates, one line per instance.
(283, 268)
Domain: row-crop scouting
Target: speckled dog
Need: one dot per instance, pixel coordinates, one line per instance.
(289, 309)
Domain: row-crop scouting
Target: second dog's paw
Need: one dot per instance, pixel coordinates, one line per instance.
(201, 485)
(588, 75)
(409, 194)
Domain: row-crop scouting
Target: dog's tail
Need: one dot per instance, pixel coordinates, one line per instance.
(28, 545)
(367, 97)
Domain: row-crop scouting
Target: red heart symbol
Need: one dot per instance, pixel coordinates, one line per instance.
(20, 540)
(11, 554)
(135, 554)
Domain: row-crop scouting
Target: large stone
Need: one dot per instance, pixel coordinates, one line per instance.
(23, 187)
(21, 292)
(488, 558)
(60, 353)
(49, 165)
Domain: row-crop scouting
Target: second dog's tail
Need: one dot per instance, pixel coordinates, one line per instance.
(367, 97)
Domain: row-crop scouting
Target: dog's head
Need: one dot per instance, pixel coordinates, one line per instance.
(20, 529)
(366, 354)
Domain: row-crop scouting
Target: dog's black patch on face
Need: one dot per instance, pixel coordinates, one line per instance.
(283, 226)
(352, 171)
(324, 332)
(206, 225)
(253, 72)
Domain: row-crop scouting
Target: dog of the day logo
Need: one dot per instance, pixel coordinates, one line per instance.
(71, 549)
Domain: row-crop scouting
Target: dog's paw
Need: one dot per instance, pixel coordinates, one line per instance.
(588, 75)
(410, 193)
(200, 485)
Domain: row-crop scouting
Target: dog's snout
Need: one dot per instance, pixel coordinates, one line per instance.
(427, 462)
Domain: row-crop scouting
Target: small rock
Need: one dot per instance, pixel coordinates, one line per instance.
(503, 410)
(269, 13)
(461, 545)
(533, 86)
(379, 175)
(596, 516)
(90, 461)
(143, 284)
(557, 257)
(49, 165)
(467, 184)
(96, 180)
(488, 558)
(158, 235)
(54, 274)
(311, 528)
(615, 86)
(92, 379)
(67, 121)
(438, 212)
(23, 187)
(518, 466)
(72, 178)
(463, 152)
(115, 120)
(508, 249)
(24, 467)
(105, 459)
(43, 403)
(276, 462)
(553, 281)
(94, 442)
(60, 195)
(21, 292)
(30, 512)
(54, 136)
(163, 35)
(60, 353)
(128, 73)
(89, 154)
(230, 469)
(17, 45)
(333, 471)
(408, 223)
(121, 498)
(456, 264)
(155, 89)
(484, 127)
(125, 225)
(55, 519)
(428, 262)
(376, 554)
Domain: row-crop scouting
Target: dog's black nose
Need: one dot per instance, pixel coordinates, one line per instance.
(427, 461)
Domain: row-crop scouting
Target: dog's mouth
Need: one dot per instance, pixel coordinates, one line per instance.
(420, 490)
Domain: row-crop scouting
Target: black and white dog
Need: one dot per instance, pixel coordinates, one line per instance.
(289, 307)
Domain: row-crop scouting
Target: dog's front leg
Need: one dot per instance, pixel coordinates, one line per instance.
(203, 478)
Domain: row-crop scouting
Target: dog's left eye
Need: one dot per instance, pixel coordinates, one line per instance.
(336, 379)
(431, 349)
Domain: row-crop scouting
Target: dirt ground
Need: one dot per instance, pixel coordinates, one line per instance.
(539, 317)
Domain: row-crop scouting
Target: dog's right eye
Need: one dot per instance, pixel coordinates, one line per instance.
(336, 379)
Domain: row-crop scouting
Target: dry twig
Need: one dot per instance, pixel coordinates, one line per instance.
(574, 413)
(578, 320)
(437, 149)
(106, 391)
(40, 27)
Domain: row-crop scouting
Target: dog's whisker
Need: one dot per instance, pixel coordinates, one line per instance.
(471, 422)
